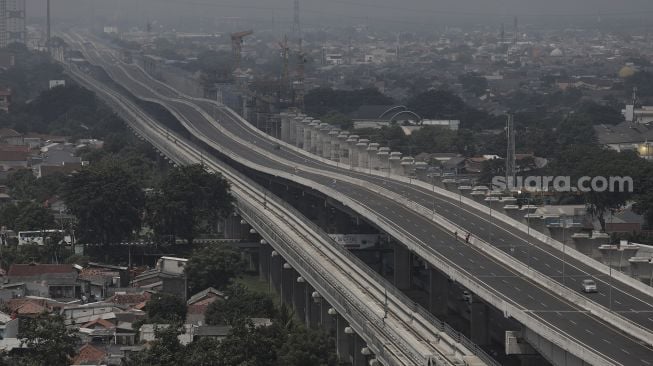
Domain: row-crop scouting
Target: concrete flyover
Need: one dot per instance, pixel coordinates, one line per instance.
(534, 297)
(402, 335)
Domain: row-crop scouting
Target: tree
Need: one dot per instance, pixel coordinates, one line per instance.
(188, 197)
(212, 266)
(238, 305)
(47, 341)
(165, 308)
(164, 351)
(473, 83)
(322, 101)
(442, 104)
(107, 201)
(433, 139)
(32, 216)
(305, 347)
(248, 345)
(593, 161)
(203, 352)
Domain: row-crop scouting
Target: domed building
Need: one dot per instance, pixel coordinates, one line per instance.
(556, 53)
(626, 71)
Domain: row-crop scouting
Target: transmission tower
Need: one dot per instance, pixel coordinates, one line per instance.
(510, 153)
(296, 25)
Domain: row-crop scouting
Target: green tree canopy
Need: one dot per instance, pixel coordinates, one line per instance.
(165, 308)
(238, 305)
(212, 266)
(473, 83)
(164, 351)
(187, 200)
(107, 201)
(442, 104)
(33, 216)
(305, 347)
(47, 341)
(321, 101)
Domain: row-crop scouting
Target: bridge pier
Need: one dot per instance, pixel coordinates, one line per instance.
(324, 148)
(438, 293)
(352, 140)
(402, 267)
(332, 145)
(233, 228)
(288, 279)
(327, 317)
(343, 148)
(395, 163)
(372, 156)
(383, 157)
(264, 252)
(479, 323)
(276, 262)
(343, 339)
(285, 126)
(299, 297)
(361, 146)
(313, 308)
(358, 358)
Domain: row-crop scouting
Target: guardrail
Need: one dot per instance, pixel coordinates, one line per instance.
(562, 341)
(283, 204)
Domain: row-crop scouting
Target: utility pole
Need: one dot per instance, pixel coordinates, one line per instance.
(510, 152)
(49, 26)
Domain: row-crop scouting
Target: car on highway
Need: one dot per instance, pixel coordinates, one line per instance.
(589, 286)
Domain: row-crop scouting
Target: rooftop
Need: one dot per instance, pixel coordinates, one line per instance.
(33, 269)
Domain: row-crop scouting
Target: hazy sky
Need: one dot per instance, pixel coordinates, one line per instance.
(363, 10)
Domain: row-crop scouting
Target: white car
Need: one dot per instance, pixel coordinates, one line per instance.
(589, 286)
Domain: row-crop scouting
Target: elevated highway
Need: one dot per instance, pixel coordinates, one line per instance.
(393, 333)
(497, 270)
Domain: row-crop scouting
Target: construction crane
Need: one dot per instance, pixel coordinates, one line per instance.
(299, 83)
(237, 46)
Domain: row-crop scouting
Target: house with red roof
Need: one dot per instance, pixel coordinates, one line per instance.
(89, 355)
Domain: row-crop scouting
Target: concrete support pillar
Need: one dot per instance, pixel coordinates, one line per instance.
(264, 252)
(383, 157)
(302, 129)
(235, 228)
(402, 267)
(353, 150)
(327, 317)
(324, 149)
(343, 145)
(343, 340)
(288, 277)
(285, 126)
(334, 145)
(276, 262)
(361, 148)
(299, 297)
(292, 133)
(313, 309)
(408, 166)
(313, 131)
(438, 293)
(359, 359)
(307, 136)
(395, 163)
(372, 158)
(479, 323)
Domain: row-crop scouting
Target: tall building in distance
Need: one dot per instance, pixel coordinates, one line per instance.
(12, 22)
